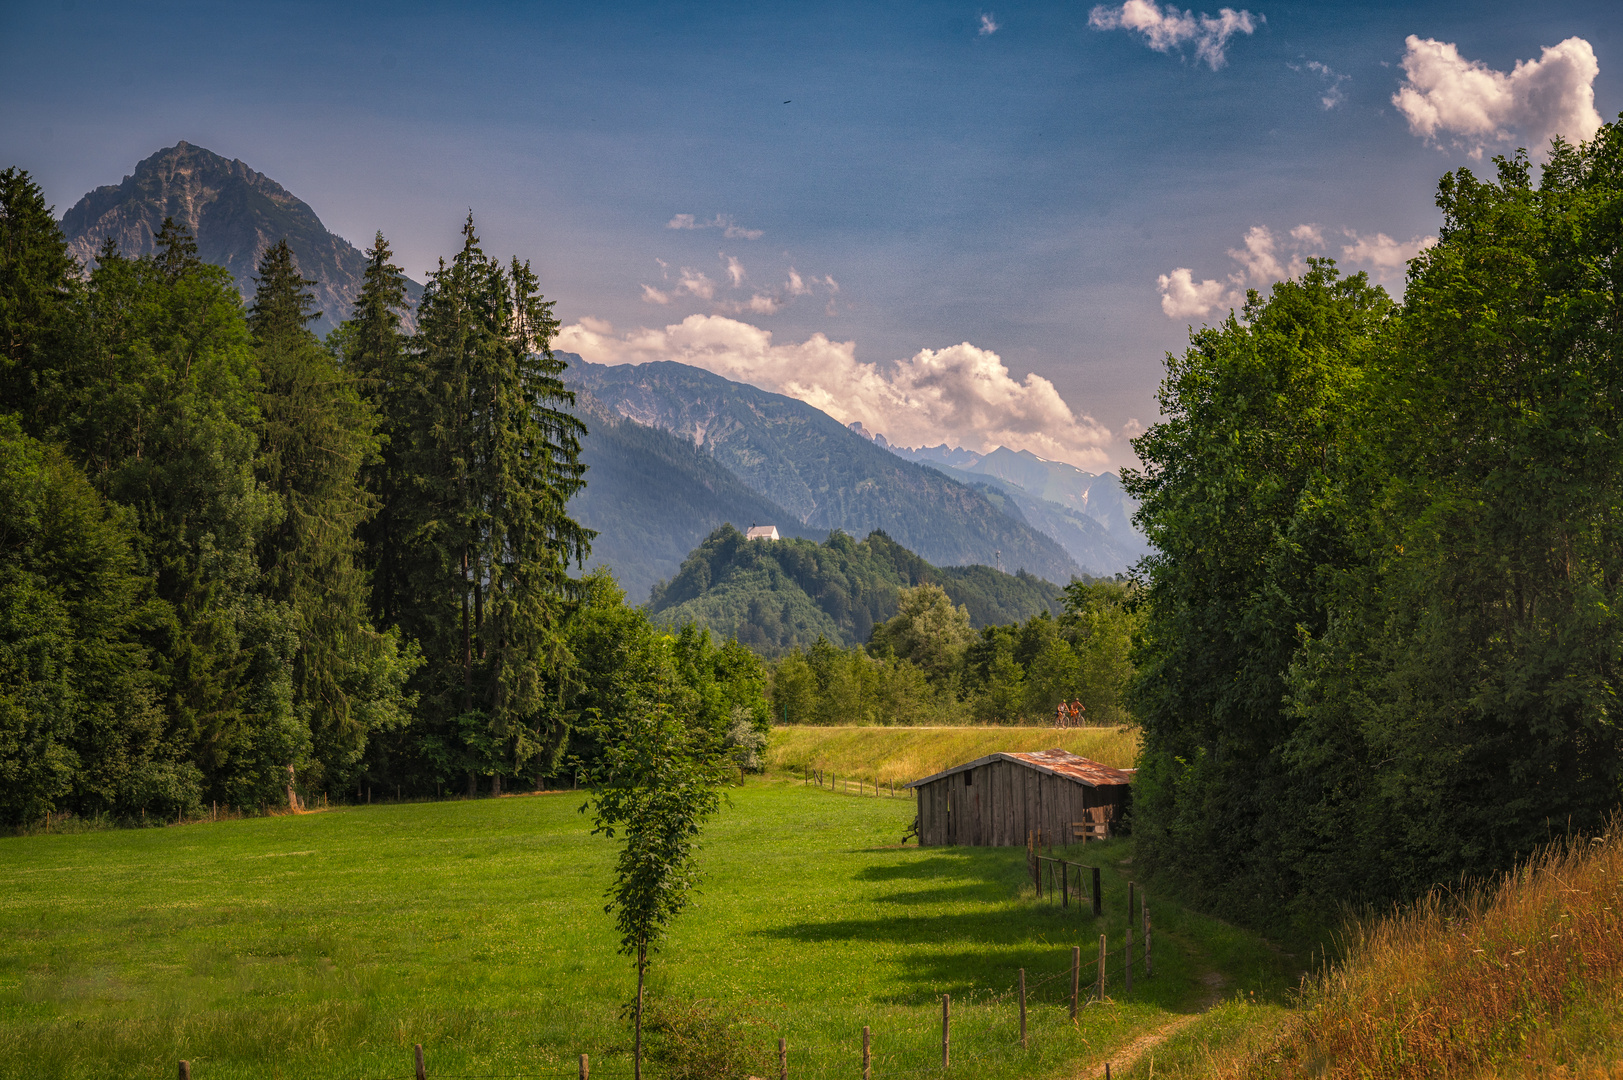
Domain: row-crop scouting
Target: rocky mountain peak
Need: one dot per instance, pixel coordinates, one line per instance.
(233, 211)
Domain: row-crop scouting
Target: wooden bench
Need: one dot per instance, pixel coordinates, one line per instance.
(1097, 827)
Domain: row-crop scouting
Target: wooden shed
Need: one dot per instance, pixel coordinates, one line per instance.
(996, 800)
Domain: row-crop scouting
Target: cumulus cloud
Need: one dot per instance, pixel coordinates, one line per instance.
(731, 229)
(988, 25)
(1262, 259)
(1446, 97)
(1381, 251)
(1166, 29)
(962, 394)
(651, 295)
(796, 286)
(1183, 297)
(735, 270)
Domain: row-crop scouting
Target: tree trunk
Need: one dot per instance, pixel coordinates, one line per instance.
(473, 784)
(496, 784)
(467, 640)
(636, 1059)
(292, 795)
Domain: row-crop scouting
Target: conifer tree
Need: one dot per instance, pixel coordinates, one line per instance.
(499, 458)
(38, 281)
(316, 434)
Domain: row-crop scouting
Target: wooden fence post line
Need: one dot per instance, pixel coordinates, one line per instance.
(1127, 958)
(417, 1052)
(867, 1058)
(185, 1070)
(1101, 967)
(585, 1068)
(1022, 1008)
(1148, 968)
(946, 1030)
(783, 1059)
(1098, 895)
(1076, 976)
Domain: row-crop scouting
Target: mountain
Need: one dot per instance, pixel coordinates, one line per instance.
(778, 595)
(824, 475)
(1089, 514)
(233, 212)
(653, 497)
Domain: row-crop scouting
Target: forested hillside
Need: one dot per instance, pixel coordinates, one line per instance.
(1382, 646)
(777, 595)
(652, 497)
(245, 566)
(826, 476)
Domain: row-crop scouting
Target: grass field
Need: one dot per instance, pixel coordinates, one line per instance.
(327, 944)
(900, 754)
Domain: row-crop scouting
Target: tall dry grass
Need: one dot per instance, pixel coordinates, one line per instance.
(1523, 977)
(900, 754)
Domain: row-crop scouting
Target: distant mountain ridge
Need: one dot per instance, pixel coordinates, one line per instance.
(1090, 514)
(825, 475)
(653, 497)
(233, 212)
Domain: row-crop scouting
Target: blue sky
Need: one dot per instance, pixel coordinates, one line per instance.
(962, 206)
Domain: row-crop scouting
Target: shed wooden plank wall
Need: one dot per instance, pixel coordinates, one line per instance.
(997, 804)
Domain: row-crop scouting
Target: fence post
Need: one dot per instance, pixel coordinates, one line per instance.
(1148, 969)
(783, 1059)
(1022, 1008)
(1127, 957)
(1076, 976)
(1131, 889)
(585, 1068)
(422, 1073)
(946, 1030)
(1101, 967)
(867, 1059)
(1064, 884)
(185, 1070)
(1098, 895)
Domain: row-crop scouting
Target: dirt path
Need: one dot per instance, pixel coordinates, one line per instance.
(1127, 1056)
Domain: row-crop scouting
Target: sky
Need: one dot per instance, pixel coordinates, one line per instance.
(977, 224)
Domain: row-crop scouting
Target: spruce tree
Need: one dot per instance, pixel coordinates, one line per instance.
(316, 434)
(38, 282)
(498, 454)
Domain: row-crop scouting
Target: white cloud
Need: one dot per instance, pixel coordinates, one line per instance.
(1382, 252)
(735, 270)
(1167, 29)
(1182, 296)
(731, 229)
(1264, 259)
(988, 25)
(1333, 94)
(796, 286)
(1132, 429)
(962, 394)
(1446, 96)
(651, 295)
(696, 283)
(1257, 256)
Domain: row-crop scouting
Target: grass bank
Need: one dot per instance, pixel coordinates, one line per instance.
(901, 754)
(1521, 979)
(327, 944)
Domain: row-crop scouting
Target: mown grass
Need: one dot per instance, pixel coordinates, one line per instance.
(900, 754)
(1523, 978)
(327, 944)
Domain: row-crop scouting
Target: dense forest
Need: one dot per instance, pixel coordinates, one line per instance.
(779, 595)
(243, 565)
(1382, 645)
(927, 664)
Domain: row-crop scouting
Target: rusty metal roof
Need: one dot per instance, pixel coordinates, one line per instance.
(1055, 762)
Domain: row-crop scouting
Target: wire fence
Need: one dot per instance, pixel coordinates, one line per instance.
(984, 1031)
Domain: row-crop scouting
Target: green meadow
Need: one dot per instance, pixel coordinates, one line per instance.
(329, 943)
